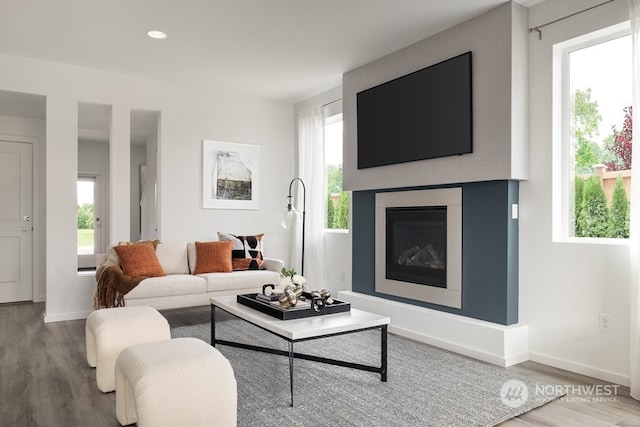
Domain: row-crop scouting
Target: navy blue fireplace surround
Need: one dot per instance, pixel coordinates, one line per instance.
(489, 250)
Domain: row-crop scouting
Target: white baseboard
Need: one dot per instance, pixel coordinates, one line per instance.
(65, 316)
(490, 342)
(601, 374)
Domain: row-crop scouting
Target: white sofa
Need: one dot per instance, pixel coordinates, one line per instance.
(179, 288)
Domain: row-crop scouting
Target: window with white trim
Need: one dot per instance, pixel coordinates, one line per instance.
(593, 74)
(337, 211)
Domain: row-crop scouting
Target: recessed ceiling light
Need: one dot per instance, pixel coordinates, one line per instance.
(155, 34)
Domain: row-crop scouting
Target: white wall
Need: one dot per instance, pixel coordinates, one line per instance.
(188, 115)
(565, 286)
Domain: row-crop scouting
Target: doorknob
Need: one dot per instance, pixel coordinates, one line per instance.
(23, 229)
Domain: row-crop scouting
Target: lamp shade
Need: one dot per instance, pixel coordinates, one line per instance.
(290, 216)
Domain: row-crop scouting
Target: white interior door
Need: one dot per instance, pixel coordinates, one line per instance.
(16, 228)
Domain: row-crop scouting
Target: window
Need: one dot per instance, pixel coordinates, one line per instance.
(88, 220)
(596, 137)
(337, 212)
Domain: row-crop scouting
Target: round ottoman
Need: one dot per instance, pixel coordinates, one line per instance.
(178, 382)
(110, 330)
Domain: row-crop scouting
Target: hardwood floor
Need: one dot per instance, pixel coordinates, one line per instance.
(584, 404)
(45, 379)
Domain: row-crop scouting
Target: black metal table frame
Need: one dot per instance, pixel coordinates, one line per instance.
(382, 369)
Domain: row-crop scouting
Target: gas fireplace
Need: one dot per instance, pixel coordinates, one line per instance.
(419, 245)
(416, 249)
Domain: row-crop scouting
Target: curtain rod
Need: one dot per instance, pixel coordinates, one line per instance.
(323, 106)
(538, 27)
(332, 102)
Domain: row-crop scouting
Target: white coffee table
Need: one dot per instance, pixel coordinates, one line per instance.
(305, 329)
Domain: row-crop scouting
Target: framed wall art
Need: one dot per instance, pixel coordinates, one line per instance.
(230, 175)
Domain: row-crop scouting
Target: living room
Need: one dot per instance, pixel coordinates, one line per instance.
(561, 287)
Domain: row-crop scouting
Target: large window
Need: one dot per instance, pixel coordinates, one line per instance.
(337, 212)
(596, 118)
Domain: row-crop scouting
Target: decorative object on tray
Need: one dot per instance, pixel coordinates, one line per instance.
(293, 297)
(272, 296)
(320, 299)
(289, 297)
(288, 293)
(290, 277)
(306, 305)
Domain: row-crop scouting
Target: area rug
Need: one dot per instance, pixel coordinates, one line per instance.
(425, 387)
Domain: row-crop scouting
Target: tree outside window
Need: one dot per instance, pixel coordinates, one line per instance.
(600, 139)
(337, 213)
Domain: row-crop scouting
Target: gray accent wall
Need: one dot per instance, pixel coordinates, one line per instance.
(489, 250)
(498, 41)
(489, 175)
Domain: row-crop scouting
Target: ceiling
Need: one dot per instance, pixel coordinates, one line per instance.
(284, 50)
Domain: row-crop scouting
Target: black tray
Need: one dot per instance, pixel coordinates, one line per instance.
(292, 313)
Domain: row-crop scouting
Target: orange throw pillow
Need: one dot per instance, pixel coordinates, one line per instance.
(213, 257)
(139, 260)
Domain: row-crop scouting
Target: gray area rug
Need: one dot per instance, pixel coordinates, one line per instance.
(425, 387)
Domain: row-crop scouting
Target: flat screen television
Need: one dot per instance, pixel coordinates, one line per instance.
(422, 115)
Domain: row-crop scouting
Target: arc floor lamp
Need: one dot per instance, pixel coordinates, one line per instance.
(289, 217)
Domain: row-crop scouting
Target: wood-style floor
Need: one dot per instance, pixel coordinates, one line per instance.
(45, 379)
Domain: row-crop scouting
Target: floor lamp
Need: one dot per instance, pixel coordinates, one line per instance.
(290, 215)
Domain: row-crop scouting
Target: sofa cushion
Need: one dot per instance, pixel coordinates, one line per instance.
(112, 256)
(247, 253)
(213, 257)
(249, 279)
(172, 285)
(173, 257)
(139, 259)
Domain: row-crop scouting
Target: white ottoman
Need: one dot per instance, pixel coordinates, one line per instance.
(178, 382)
(110, 330)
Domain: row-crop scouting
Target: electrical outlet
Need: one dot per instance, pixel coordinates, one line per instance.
(605, 322)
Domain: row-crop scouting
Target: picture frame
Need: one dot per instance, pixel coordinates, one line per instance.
(230, 175)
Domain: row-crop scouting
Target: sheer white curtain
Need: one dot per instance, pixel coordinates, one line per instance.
(634, 14)
(311, 171)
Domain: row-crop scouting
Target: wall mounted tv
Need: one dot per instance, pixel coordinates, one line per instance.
(423, 115)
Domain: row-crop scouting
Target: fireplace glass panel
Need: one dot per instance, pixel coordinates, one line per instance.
(417, 245)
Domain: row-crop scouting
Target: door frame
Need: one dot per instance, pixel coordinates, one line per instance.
(98, 203)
